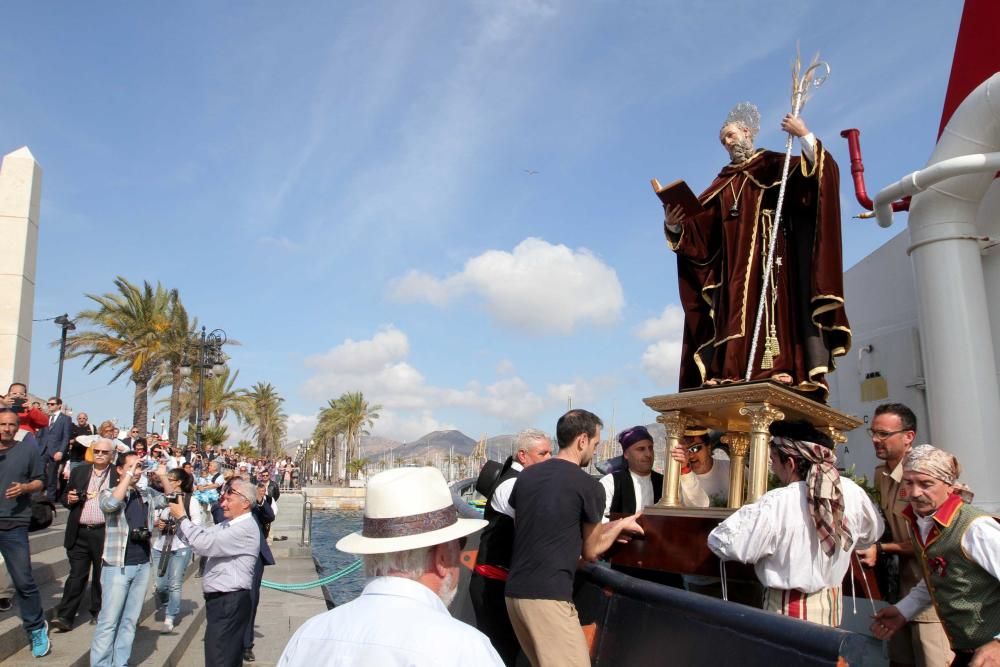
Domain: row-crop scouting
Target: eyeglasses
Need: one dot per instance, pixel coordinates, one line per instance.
(885, 435)
(694, 449)
(101, 452)
(51, 405)
(228, 490)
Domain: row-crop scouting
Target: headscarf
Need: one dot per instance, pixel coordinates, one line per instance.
(939, 464)
(825, 495)
(630, 436)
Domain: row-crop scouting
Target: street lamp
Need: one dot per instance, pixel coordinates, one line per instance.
(210, 360)
(67, 325)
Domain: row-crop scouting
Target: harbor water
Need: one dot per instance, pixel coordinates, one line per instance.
(328, 526)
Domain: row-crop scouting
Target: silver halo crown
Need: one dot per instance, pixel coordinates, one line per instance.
(745, 114)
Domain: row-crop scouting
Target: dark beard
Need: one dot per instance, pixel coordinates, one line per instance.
(741, 151)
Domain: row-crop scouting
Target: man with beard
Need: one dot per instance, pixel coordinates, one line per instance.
(411, 542)
(722, 256)
(559, 509)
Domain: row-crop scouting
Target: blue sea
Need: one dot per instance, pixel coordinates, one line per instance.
(328, 526)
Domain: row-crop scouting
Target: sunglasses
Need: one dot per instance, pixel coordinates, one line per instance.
(694, 449)
(227, 490)
(101, 452)
(51, 405)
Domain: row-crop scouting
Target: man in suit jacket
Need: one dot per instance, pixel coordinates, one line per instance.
(53, 440)
(84, 540)
(264, 515)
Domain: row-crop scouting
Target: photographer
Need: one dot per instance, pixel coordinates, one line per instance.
(172, 546)
(125, 574)
(31, 419)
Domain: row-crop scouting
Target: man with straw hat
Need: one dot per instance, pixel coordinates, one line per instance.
(411, 542)
(959, 551)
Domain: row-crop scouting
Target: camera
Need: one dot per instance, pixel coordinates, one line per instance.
(139, 535)
(173, 498)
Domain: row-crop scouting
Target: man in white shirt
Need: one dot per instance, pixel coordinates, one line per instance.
(411, 543)
(801, 537)
(704, 478)
(959, 549)
(628, 491)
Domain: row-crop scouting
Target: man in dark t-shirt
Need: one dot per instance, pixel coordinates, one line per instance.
(558, 510)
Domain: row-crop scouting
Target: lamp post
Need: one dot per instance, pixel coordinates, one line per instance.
(66, 324)
(211, 360)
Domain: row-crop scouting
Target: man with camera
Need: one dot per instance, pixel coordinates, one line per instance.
(231, 547)
(30, 418)
(126, 570)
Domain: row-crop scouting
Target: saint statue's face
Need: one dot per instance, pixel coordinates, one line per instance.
(737, 141)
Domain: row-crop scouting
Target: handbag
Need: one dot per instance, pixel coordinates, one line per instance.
(43, 512)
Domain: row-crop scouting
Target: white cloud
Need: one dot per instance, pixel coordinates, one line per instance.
(505, 367)
(670, 324)
(661, 359)
(300, 427)
(538, 288)
(378, 367)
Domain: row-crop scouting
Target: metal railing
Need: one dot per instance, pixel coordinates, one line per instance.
(307, 514)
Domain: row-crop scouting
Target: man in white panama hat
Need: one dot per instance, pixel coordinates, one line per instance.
(411, 542)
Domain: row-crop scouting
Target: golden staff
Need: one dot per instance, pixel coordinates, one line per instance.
(801, 87)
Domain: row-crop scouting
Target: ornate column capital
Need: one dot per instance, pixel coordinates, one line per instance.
(739, 443)
(675, 422)
(761, 415)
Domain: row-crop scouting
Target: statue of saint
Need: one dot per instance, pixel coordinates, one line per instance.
(722, 258)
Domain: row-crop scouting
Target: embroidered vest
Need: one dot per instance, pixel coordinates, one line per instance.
(623, 501)
(966, 596)
(497, 539)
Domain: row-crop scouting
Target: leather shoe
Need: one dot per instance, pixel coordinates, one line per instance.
(61, 624)
(248, 655)
(6, 604)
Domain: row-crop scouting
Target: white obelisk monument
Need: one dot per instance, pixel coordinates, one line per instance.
(20, 200)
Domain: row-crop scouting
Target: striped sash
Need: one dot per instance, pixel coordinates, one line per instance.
(823, 606)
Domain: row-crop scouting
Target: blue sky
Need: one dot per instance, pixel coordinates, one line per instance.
(443, 204)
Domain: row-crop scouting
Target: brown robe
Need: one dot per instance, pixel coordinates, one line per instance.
(720, 263)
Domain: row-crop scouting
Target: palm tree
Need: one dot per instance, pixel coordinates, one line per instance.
(351, 416)
(177, 346)
(260, 409)
(128, 331)
(214, 435)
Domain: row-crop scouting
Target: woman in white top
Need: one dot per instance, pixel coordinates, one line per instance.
(168, 587)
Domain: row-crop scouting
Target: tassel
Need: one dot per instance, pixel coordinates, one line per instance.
(773, 340)
(767, 360)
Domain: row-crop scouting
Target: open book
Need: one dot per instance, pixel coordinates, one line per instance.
(679, 194)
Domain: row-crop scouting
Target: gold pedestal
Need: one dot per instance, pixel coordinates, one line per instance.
(744, 411)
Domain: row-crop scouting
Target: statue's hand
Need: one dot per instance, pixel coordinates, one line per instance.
(794, 125)
(673, 218)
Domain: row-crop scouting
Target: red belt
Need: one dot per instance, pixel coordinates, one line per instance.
(491, 572)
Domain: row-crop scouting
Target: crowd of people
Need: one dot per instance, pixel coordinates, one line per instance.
(140, 508)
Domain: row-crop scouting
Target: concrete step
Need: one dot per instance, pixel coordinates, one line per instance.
(12, 635)
(49, 538)
(150, 647)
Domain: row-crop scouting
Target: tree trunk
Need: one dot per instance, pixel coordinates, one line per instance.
(176, 379)
(140, 404)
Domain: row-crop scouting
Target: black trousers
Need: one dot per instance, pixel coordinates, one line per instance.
(258, 575)
(226, 618)
(52, 479)
(85, 557)
(491, 616)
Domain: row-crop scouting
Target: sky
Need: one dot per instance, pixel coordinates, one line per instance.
(443, 204)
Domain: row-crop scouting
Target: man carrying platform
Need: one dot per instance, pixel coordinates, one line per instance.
(704, 478)
(637, 485)
(921, 642)
(721, 264)
(959, 550)
(801, 537)
(486, 587)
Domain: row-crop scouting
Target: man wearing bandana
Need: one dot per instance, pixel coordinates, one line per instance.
(959, 550)
(628, 490)
(801, 537)
(722, 258)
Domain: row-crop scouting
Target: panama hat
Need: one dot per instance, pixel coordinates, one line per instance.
(407, 508)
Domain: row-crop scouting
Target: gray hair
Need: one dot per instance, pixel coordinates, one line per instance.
(746, 115)
(529, 436)
(409, 564)
(245, 488)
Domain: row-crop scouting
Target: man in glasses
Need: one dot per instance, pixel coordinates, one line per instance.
(231, 548)
(922, 641)
(704, 478)
(84, 540)
(129, 440)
